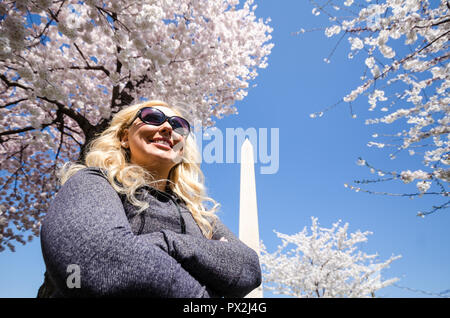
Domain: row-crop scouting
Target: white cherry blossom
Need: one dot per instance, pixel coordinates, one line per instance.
(65, 75)
(325, 263)
(405, 49)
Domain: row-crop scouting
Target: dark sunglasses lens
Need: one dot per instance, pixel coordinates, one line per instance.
(152, 116)
(180, 125)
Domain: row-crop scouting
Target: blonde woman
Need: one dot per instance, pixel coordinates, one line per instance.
(130, 220)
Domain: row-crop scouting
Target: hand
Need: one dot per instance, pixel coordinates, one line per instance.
(223, 239)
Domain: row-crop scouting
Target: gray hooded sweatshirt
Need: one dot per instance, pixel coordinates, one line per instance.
(160, 252)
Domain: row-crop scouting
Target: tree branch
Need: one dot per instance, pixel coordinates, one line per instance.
(88, 67)
(17, 131)
(15, 84)
(13, 102)
(54, 17)
(84, 124)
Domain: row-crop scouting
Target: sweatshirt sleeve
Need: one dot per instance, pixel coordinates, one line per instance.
(230, 268)
(86, 226)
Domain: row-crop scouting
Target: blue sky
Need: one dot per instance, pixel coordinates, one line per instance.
(316, 158)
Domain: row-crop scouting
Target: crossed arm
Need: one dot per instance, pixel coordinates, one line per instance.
(86, 225)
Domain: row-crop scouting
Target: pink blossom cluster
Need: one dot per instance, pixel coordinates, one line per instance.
(67, 66)
(326, 262)
(404, 47)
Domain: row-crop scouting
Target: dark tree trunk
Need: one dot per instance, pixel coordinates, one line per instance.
(89, 137)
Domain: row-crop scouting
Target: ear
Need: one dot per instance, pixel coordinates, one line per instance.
(124, 138)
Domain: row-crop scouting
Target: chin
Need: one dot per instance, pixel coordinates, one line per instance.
(162, 159)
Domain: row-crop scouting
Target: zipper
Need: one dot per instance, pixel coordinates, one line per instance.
(142, 222)
(182, 222)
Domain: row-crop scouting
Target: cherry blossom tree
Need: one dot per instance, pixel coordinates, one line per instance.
(66, 67)
(326, 263)
(403, 49)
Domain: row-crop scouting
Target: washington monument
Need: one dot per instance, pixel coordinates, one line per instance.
(248, 210)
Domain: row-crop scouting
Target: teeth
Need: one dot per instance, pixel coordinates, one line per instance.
(161, 142)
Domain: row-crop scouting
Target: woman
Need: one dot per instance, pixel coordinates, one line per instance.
(131, 219)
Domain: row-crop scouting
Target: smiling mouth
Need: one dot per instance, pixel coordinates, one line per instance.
(163, 143)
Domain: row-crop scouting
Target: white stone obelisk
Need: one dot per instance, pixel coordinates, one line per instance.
(248, 210)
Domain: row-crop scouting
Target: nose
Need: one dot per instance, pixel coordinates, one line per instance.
(166, 128)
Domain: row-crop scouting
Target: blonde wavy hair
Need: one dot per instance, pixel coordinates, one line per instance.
(186, 179)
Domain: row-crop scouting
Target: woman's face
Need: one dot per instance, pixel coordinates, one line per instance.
(141, 140)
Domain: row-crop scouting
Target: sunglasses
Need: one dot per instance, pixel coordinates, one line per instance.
(154, 116)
